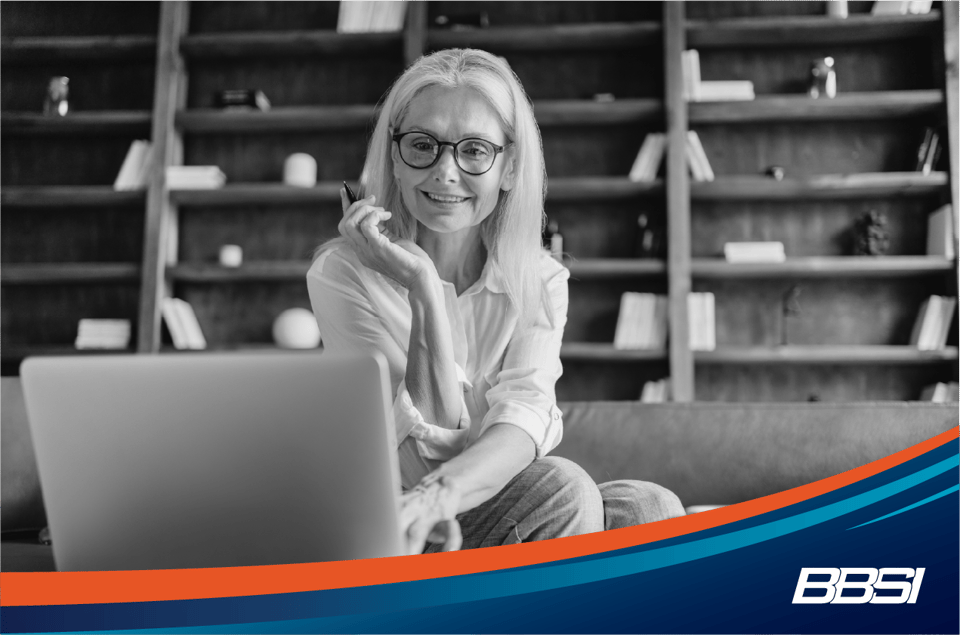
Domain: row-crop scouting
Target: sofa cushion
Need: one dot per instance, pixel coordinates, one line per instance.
(718, 453)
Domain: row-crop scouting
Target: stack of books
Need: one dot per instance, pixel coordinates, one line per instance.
(182, 323)
(642, 322)
(656, 391)
(647, 164)
(941, 392)
(702, 320)
(195, 177)
(134, 174)
(694, 89)
(770, 251)
(901, 7)
(932, 327)
(361, 16)
(103, 334)
(942, 233)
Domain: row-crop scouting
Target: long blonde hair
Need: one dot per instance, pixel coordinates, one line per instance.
(511, 234)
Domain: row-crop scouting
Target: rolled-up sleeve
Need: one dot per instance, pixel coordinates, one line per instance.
(349, 322)
(525, 394)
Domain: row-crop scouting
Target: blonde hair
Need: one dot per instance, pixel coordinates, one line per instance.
(512, 233)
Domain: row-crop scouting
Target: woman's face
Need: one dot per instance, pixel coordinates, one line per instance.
(444, 198)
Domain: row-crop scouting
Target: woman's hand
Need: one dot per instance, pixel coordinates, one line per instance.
(428, 512)
(378, 249)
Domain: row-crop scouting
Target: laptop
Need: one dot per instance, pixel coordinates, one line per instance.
(214, 460)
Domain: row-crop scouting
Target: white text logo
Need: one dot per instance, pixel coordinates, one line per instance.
(861, 591)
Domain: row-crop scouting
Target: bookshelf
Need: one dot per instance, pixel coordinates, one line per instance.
(842, 157)
(71, 246)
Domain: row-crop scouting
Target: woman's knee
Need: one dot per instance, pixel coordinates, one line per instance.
(627, 503)
(567, 497)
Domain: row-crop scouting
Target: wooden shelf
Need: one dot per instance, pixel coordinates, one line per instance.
(825, 267)
(557, 37)
(568, 112)
(275, 271)
(559, 189)
(603, 352)
(239, 347)
(821, 186)
(69, 196)
(239, 194)
(597, 188)
(808, 30)
(18, 353)
(557, 112)
(120, 48)
(607, 268)
(287, 43)
(825, 355)
(72, 272)
(93, 122)
(213, 120)
(845, 106)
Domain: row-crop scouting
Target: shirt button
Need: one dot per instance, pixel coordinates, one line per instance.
(556, 415)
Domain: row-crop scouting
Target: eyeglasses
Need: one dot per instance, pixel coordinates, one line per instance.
(421, 150)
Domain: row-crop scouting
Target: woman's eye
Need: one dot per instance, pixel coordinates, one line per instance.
(423, 146)
(476, 151)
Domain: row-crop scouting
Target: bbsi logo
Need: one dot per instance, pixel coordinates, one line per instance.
(866, 590)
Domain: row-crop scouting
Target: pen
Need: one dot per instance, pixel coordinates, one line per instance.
(350, 195)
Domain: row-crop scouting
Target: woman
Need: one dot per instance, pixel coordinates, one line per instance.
(440, 268)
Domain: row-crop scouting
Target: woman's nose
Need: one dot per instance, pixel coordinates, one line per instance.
(446, 168)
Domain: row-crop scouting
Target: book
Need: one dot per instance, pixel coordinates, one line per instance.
(191, 325)
(102, 334)
(647, 163)
(642, 322)
(364, 16)
(890, 7)
(171, 316)
(690, 67)
(932, 326)
(941, 239)
(727, 90)
(932, 154)
(917, 7)
(135, 170)
(194, 177)
(697, 156)
(941, 392)
(655, 391)
(754, 252)
(702, 321)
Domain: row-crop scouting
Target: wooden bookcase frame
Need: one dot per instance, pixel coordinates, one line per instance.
(174, 45)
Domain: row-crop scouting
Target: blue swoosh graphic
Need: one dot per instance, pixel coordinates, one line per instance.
(926, 500)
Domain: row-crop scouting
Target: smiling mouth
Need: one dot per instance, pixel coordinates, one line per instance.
(444, 198)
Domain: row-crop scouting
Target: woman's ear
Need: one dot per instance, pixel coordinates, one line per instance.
(509, 177)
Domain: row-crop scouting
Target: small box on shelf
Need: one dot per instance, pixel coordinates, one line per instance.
(642, 322)
(100, 334)
(942, 233)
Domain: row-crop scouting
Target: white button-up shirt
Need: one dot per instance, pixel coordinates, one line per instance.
(507, 374)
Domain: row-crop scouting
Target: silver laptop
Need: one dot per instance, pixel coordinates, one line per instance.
(214, 460)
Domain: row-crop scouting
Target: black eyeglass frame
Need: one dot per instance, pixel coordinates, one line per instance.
(497, 150)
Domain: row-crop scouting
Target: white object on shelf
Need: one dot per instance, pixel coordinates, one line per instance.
(195, 177)
(726, 90)
(837, 8)
(103, 334)
(231, 256)
(771, 251)
(134, 174)
(296, 328)
(300, 170)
